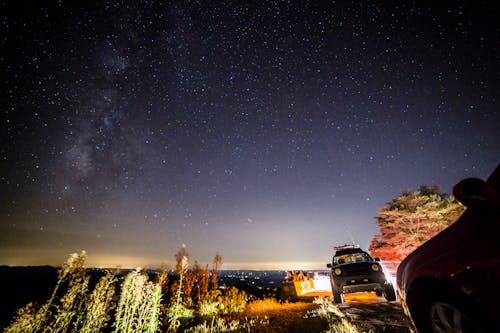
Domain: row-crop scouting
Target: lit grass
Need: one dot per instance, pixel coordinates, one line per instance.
(338, 322)
(139, 305)
(191, 303)
(56, 315)
(95, 316)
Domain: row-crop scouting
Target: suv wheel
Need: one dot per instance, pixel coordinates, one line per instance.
(389, 293)
(337, 297)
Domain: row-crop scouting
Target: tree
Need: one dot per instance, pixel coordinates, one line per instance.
(411, 219)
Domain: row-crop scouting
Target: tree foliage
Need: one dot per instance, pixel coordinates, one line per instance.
(411, 219)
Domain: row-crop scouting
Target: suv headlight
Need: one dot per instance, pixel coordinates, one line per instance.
(376, 267)
(337, 271)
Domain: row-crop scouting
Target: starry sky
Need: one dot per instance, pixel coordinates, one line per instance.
(268, 131)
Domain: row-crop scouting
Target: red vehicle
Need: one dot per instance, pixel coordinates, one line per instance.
(452, 282)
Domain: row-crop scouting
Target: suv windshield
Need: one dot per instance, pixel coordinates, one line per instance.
(351, 258)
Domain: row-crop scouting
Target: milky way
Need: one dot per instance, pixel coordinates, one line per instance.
(265, 131)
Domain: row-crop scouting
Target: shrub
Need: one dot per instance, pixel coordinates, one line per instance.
(233, 300)
(208, 308)
(176, 314)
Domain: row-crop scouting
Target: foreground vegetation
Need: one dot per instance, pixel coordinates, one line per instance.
(188, 301)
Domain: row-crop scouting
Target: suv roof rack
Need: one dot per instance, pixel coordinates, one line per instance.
(345, 247)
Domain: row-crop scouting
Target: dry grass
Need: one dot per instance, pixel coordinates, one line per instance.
(272, 304)
(188, 306)
(286, 317)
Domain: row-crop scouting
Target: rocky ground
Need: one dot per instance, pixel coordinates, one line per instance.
(366, 311)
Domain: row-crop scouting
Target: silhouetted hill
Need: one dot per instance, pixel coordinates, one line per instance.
(21, 285)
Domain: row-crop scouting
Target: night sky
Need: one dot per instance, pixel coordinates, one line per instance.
(265, 130)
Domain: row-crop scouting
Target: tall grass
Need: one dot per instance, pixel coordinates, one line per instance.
(56, 315)
(95, 315)
(338, 322)
(70, 304)
(138, 309)
(234, 325)
(187, 301)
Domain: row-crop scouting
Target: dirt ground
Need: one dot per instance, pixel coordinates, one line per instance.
(365, 310)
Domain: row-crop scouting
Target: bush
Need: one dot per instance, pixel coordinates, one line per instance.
(233, 300)
(208, 308)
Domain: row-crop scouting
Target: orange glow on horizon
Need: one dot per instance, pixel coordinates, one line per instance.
(40, 257)
(134, 261)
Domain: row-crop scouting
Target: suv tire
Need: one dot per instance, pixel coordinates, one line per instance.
(337, 297)
(389, 293)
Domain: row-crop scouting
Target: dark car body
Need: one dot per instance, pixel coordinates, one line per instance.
(354, 270)
(453, 280)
